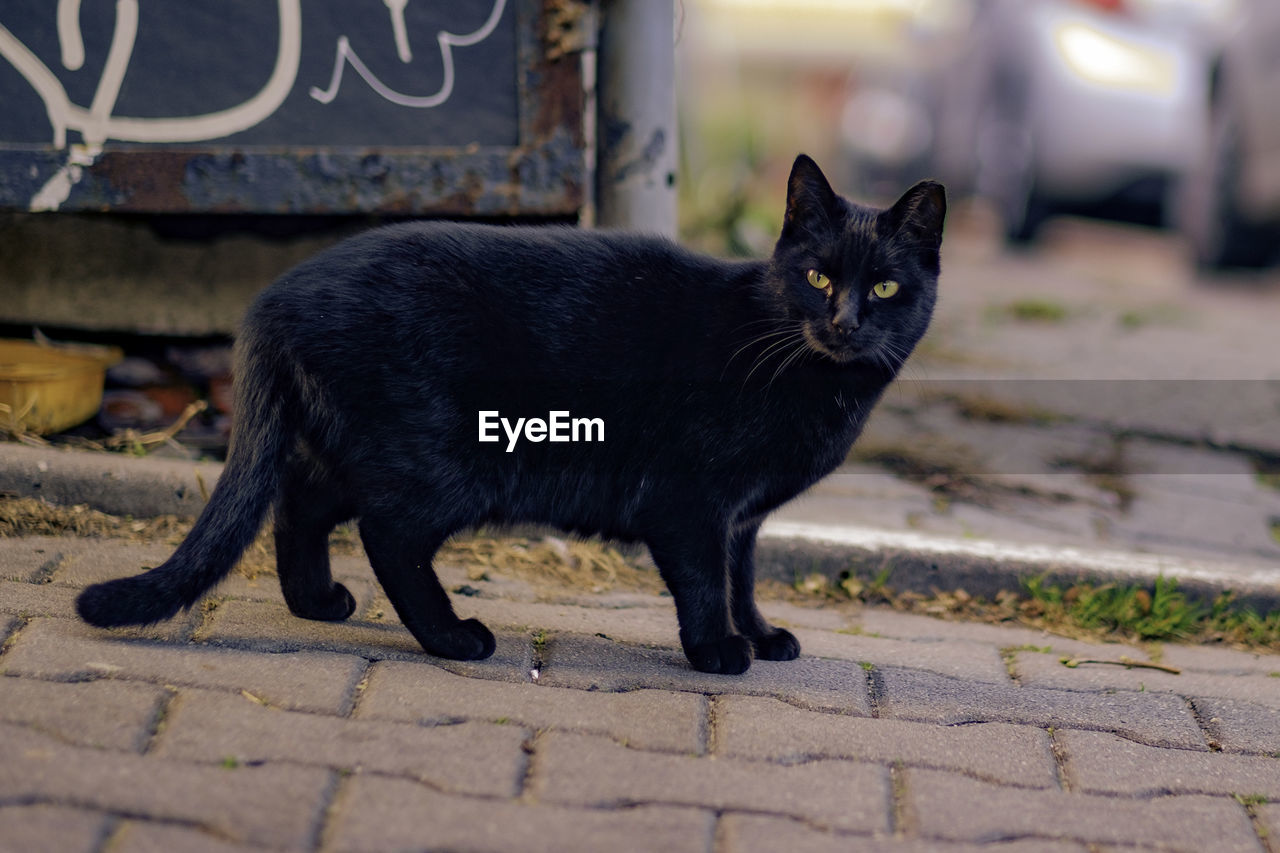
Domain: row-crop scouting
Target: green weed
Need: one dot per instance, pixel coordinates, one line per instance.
(1163, 614)
(1036, 311)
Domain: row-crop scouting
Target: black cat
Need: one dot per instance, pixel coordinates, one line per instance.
(704, 394)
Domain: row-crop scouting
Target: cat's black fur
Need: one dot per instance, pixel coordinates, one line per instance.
(726, 388)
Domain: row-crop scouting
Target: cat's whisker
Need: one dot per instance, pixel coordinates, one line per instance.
(799, 352)
(774, 320)
(758, 339)
(755, 341)
(774, 349)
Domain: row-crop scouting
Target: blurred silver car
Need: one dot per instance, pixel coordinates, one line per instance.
(1093, 106)
(1230, 206)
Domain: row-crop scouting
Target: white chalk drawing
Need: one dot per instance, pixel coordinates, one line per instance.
(447, 41)
(97, 124)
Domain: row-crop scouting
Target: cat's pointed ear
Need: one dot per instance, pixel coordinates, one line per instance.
(919, 214)
(811, 203)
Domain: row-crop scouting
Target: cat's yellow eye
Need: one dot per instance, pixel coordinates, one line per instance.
(885, 289)
(818, 280)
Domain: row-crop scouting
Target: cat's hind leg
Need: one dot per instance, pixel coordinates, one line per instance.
(401, 555)
(769, 643)
(309, 506)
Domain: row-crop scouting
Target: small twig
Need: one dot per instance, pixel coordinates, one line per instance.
(132, 438)
(1124, 661)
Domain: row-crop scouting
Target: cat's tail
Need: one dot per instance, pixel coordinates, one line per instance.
(229, 522)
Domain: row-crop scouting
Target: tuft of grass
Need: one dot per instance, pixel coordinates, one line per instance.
(1132, 320)
(1163, 614)
(1135, 613)
(1106, 612)
(1036, 311)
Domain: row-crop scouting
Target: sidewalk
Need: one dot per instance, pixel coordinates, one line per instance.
(238, 726)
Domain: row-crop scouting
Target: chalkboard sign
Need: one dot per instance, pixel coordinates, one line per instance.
(328, 106)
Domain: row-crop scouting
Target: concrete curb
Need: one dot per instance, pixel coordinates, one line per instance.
(923, 563)
(983, 567)
(120, 485)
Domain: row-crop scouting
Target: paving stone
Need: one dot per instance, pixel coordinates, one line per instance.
(378, 813)
(355, 570)
(820, 617)
(51, 599)
(592, 663)
(1102, 763)
(1238, 726)
(1268, 815)
(37, 599)
(602, 598)
(959, 658)
(1220, 661)
(1156, 719)
(741, 833)
(1046, 671)
(104, 714)
(265, 587)
(582, 770)
(25, 828)
(9, 626)
(270, 806)
(649, 625)
(61, 650)
(271, 627)
(469, 758)
(103, 560)
(911, 626)
(756, 728)
(33, 558)
(954, 807)
(138, 837)
(425, 694)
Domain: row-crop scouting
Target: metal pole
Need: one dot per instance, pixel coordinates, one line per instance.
(636, 131)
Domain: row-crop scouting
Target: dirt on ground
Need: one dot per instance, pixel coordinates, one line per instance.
(548, 560)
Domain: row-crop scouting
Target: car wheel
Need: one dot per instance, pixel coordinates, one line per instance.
(1211, 220)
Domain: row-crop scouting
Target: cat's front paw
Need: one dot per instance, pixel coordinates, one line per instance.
(467, 640)
(729, 656)
(778, 644)
(334, 606)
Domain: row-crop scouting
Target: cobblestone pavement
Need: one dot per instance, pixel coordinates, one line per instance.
(240, 727)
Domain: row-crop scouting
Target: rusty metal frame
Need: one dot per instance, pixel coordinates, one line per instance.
(545, 174)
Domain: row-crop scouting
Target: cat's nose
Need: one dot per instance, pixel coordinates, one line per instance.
(845, 321)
